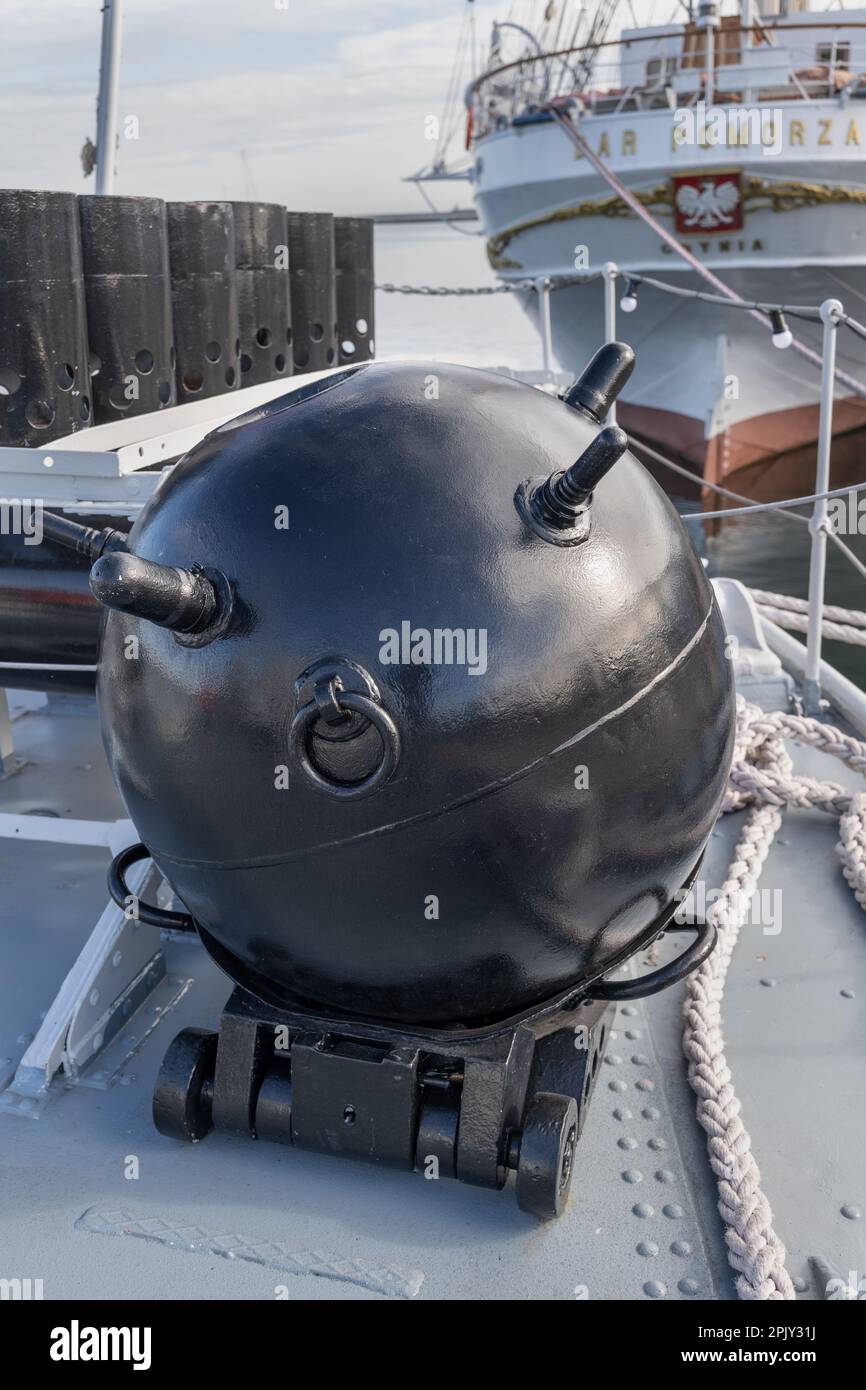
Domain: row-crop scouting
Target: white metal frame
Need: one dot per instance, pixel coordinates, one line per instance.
(101, 468)
(117, 968)
(831, 312)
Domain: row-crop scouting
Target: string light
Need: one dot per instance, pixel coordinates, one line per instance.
(628, 303)
(782, 335)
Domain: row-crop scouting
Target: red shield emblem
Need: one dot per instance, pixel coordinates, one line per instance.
(708, 203)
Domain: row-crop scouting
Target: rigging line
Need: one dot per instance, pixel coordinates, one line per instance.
(774, 506)
(567, 68)
(846, 551)
(453, 103)
(443, 216)
(738, 496)
(462, 60)
(473, 41)
(572, 133)
(452, 90)
(854, 325)
(697, 478)
(563, 9)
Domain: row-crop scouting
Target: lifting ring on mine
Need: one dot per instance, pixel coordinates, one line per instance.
(123, 895)
(354, 703)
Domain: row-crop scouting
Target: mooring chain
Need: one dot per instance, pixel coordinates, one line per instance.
(763, 781)
(458, 291)
(554, 282)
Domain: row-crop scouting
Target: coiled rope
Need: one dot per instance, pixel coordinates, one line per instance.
(761, 780)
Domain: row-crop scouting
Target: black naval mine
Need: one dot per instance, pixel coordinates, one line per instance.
(419, 873)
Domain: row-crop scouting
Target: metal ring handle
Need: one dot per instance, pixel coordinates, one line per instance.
(378, 717)
(689, 960)
(147, 912)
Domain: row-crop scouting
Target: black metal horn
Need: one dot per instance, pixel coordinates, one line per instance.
(559, 500)
(601, 381)
(186, 601)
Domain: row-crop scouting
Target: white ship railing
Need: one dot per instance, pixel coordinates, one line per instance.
(737, 65)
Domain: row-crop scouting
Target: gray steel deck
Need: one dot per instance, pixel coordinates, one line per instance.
(231, 1219)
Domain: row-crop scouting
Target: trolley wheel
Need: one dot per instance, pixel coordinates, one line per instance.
(184, 1087)
(545, 1166)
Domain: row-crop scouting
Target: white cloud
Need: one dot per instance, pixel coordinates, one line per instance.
(328, 99)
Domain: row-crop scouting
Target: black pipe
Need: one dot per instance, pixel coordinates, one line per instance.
(84, 540)
(48, 616)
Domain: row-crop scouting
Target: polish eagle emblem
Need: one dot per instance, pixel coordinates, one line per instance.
(708, 203)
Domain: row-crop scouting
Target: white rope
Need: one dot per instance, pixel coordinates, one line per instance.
(801, 605)
(799, 622)
(761, 779)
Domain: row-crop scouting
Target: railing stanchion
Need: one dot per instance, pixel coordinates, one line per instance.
(8, 762)
(542, 289)
(831, 309)
(610, 271)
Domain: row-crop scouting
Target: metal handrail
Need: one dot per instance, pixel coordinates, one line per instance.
(780, 71)
(761, 29)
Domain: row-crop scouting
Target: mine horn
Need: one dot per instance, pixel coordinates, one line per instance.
(186, 601)
(564, 494)
(601, 381)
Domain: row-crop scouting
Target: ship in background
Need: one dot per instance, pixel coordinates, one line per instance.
(777, 210)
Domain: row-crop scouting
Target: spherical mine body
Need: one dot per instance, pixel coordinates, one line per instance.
(558, 718)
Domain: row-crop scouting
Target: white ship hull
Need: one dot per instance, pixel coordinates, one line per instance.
(708, 384)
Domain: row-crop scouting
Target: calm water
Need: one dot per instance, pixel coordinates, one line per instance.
(767, 552)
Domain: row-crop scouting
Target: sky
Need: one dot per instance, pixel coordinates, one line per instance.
(316, 104)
